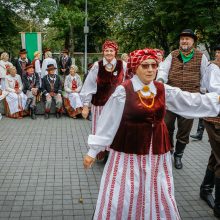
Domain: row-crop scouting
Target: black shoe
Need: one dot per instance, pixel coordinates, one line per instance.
(208, 198)
(177, 162)
(207, 187)
(33, 116)
(46, 115)
(216, 209)
(58, 115)
(197, 136)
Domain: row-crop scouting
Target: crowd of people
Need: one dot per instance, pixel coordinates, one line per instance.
(135, 102)
(26, 82)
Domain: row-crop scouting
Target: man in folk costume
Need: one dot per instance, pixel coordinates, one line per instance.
(52, 89)
(65, 63)
(15, 98)
(31, 85)
(183, 68)
(22, 62)
(201, 127)
(137, 181)
(212, 125)
(104, 76)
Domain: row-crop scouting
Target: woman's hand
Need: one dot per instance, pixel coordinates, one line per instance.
(88, 161)
(85, 111)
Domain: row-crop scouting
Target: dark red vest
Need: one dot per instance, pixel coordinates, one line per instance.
(107, 83)
(140, 124)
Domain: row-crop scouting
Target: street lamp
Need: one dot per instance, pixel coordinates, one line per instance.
(86, 31)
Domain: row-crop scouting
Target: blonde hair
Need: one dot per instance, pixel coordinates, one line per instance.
(74, 67)
(4, 55)
(36, 53)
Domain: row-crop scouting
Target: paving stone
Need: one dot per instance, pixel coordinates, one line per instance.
(42, 175)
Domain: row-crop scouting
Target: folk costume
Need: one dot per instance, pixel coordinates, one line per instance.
(36, 62)
(47, 61)
(65, 62)
(52, 89)
(137, 181)
(14, 102)
(212, 125)
(31, 86)
(21, 63)
(100, 83)
(186, 72)
(4, 66)
(72, 101)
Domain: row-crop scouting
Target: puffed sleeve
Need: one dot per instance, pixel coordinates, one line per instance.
(90, 85)
(211, 78)
(108, 122)
(191, 105)
(164, 69)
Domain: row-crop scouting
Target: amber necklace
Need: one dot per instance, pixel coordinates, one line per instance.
(146, 89)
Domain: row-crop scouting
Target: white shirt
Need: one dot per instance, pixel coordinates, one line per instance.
(37, 67)
(3, 69)
(164, 67)
(10, 83)
(68, 83)
(189, 105)
(90, 85)
(46, 62)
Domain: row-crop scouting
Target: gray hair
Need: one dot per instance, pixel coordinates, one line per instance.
(48, 54)
(74, 67)
(4, 55)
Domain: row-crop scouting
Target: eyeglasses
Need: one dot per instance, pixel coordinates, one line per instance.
(146, 65)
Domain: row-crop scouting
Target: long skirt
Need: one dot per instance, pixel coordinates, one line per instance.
(96, 112)
(73, 104)
(15, 104)
(137, 187)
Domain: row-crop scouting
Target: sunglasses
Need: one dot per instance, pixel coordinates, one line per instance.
(146, 66)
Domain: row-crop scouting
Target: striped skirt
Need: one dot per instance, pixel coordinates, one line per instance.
(96, 112)
(137, 187)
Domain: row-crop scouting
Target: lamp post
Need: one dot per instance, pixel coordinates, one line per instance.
(86, 31)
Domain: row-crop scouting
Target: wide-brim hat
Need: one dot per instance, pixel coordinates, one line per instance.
(51, 67)
(65, 51)
(23, 51)
(28, 66)
(189, 33)
(217, 47)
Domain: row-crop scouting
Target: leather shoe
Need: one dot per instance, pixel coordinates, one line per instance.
(178, 163)
(208, 198)
(46, 115)
(58, 115)
(197, 137)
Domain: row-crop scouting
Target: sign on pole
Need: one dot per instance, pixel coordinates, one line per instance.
(31, 41)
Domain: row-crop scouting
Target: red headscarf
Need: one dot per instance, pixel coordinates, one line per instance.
(138, 56)
(110, 44)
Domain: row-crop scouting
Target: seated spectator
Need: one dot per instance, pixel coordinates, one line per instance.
(15, 98)
(52, 89)
(31, 89)
(72, 87)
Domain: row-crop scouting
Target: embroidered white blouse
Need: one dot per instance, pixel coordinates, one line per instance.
(90, 85)
(68, 83)
(10, 83)
(189, 105)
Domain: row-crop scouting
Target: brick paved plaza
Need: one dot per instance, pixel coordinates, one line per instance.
(42, 176)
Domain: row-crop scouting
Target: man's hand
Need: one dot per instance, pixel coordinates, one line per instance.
(88, 161)
(85, 111)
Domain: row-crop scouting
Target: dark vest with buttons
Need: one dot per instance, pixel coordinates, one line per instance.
(107, 83)
(140, 126)
(186, 76)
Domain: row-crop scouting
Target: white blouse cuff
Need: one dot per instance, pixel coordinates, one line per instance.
(92, 153)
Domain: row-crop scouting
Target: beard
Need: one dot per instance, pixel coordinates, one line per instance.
(186, 48)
